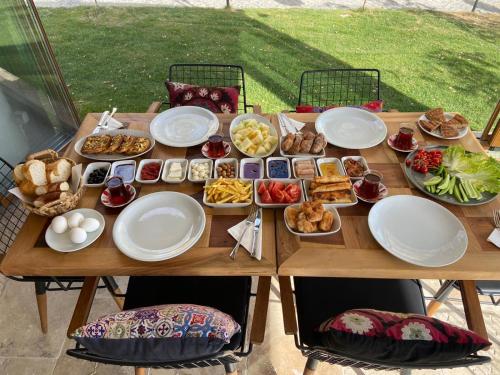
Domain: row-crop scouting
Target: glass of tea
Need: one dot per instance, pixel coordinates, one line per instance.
(118, 193)
(215, 146)
(404, 139)
(370, 185)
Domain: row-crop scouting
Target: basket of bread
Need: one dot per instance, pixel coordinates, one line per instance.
(47, 184)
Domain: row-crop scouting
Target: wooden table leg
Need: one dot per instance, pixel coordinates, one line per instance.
(287, 305)
(472, 307)
(260, 312)
(440, 297)
(84, 304)
(41, 302)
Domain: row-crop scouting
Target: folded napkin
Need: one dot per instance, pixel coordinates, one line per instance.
(112, 123)
(495, 237)
(288, 125)
(246, 242)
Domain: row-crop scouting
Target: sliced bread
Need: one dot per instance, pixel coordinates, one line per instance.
(58, 171)
(34, 171)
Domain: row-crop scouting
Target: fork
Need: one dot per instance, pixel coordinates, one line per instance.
(496, 218)
(248, 222)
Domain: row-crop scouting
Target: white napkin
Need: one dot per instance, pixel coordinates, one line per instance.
(112, 124)
(495, 237)
(246, 242)
(288, 125)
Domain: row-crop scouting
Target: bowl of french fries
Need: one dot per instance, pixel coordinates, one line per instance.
(228, 192)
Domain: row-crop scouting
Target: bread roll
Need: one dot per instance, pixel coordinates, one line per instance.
(50, 197)
(34, 171)
(58, 171)
(58, 186)
(27, 187)
(18, 174)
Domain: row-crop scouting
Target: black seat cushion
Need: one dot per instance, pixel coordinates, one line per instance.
(321, 298)
(230, 295)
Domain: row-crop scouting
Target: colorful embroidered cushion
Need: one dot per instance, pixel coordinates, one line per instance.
(215, 99)
(159, 333)
(373, 106)
(387, 336)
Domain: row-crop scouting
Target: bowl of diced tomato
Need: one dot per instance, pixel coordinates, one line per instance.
(278, 193)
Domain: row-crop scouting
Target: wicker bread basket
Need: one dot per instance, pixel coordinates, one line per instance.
(59, 206)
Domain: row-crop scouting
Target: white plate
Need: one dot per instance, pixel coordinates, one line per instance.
(354, 198)
(335, 227)
(142, 164)
(418, 230)
(285, 181)
(437, 133)
(184, 126)
(351, 128)
(248, 116)
(91, 168)
(61, 242)
(114, 157)
(166, 170)
(227, 205)
(336, 161)
(159, 226)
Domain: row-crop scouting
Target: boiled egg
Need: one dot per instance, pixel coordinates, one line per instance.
(75, 220)
(59, 224)
(77, 235)
(90, 225)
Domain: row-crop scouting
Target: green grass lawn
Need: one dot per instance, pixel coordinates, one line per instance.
(120, 57)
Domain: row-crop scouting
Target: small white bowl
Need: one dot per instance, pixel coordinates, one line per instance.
(166, 170)
(226, 205)
(92, 167)
(361, 159)
(336, 161)
(354, 198)
(199, 161)
(123, 162)
(142, 163)
(337, 224)
(251, 160)
(285, 181)
(268, 170)
(294, 160)
(232, 161)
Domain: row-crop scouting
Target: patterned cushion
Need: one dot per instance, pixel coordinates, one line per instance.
(387, 336)
(159, 333)
(373, 106)
(215, 99)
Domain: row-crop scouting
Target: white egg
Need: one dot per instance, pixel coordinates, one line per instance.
(75, 220)
(90, 225)
(77, 235)
(59, 224)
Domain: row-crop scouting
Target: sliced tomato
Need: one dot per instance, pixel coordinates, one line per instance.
(262, 188)
(278, 185)
(277, 196)
(266, 197)
(294, 192)
(270, 186)
(286, 197)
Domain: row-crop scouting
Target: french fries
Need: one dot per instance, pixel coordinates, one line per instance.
(229, 190)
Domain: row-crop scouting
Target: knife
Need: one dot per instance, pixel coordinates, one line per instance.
(256, 228)
(101, 122)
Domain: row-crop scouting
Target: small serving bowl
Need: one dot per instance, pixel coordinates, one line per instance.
(245, 161)
(295, 160)
(337, 224)
(166, 170)
(353, 202)
(200, 161)
(123, 162)
(285, 181)
(268, 170)
(232, 161)
(91, 168)
(225, 205)
(336, 161)
(361, 159)
(142, 163)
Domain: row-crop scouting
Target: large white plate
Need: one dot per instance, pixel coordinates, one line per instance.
(159, 226)
(184, 126)
(418, 230)
(351, 128)
(437, 133)
(113, 157)
(259, 118)
(61, 242)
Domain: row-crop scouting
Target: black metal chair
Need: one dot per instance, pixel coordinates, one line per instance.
(12, 217)
(230, 295)
(222, 75)
(317, 299)
(341, 87)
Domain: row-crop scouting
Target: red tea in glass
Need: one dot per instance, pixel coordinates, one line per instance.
(370, 186)
(118, 193)
(215, 146)
(404, 139)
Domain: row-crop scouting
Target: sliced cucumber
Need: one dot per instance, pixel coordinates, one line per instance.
(433, 181)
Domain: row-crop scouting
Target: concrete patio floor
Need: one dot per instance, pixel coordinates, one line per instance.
(24, 350)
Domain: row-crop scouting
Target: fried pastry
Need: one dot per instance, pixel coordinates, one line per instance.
(325, 225)
(287, 143)
(296, 145)
(115, 143)
(140, 145)
(429, 125)
(436, 114)
(291, 214)
(96, 144)
(318, 144)
(127, 143)
(304, 225)
(306, 144)
(460, 121)
(313, 211)
(448, 130)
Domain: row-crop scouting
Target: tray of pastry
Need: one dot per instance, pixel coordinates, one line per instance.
(306, 143)
(113, 145)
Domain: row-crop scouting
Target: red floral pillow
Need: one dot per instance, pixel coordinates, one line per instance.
(215, 99)
(373, 106)
(403, 338)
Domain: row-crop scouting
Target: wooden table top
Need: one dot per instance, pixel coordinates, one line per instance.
(353, 251)
(30, 255)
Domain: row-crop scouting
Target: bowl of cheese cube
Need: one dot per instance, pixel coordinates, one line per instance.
(253, 135)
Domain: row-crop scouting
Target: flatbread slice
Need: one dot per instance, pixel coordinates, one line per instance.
(140, 145)
(448, 131)
(127, 143)
(436, 114)
(429, 125)
(115, 143)
(96, 144)
(331, 187)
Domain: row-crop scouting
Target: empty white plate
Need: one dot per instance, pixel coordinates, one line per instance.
(159, 226)
(418, 230)
(184, 126)
(351, 128)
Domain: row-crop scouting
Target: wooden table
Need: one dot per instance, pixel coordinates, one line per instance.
(29, 255)
(353, 252)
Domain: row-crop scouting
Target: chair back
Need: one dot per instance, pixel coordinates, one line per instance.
(339, 87)
(220, 75)
(491, 133)
(12, 213)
